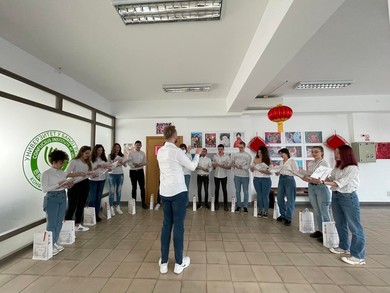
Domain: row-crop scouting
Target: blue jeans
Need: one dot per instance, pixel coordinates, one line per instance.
(286, 189)
(187, 179)
(54, 204)
(95, 194)
(244, 182)
(346, 213)
(319, 196)
(174, 208)
(115, 182)
(262, 187)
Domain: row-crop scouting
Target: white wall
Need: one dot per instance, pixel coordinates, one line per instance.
(20, 62)
(374, 181)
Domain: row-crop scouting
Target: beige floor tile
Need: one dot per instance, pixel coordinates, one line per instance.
(327, 259)
(105, 269)
(322, 288)
(153, 256)
(315, 275)
(5, 278)
(127, 270)
(117, 255)
(378, 289)
(266, 274)
(195, 272)
(236, 258)
(164, 286)
(148, 271)
(230, 237)
(42, 284)
(220, 287)
(213, 236)
(79, 254)
(21, 266)
(218, 272)
(216, 257)
(278, 259)
(384, 274)
(116, 285)
(257, 258)
(194, 287)
(270, 247)
(272, 288)
(90, 285)
(299, 288)
(143, 244)
(18, 283)
(126, 244)
(365, 277)
(41, 267)
(354, 289)
(290, 274)
(246, 287)
(197, 245)
(142, 286)
(197, 236)
(232, 246)
(288, 247)
(98, 254)
(339, 276)
(136, 256)
(300, 259)
(197, 256)
(84, 268)
(241, 273)
(212, 245)
(66, 284)
(62, 268)
(251, 246)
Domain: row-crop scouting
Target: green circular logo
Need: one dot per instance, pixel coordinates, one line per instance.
(36, 154)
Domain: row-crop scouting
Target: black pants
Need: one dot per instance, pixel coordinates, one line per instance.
(138, 176)
(77, 197)
(218, 182)
(205, 181)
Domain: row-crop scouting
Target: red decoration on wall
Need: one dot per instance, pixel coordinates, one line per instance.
(280, 114)
(255, 143)
(383, 150)
(335, 141)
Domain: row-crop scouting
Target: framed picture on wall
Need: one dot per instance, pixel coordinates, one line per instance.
(210, 140)
(300, 164)
(308, 151)
(273, 151)
(295, 151)
(293, 137)
(161, 126)
(238, 137)
(273, 137)
(224, 139)
(196, 139)
(313, 136)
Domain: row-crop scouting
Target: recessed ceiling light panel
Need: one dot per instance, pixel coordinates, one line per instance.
(185, 88)
(136, 12)
(322, 85)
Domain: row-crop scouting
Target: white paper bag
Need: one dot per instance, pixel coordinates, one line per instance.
(67, 233)
(89, 216)
(212, 204)
(131, 206)
(194, 203)
(306, 221)
(43, 245)
(105, 204)
(151, 204)
(233, 204)
(255, 208)
(330, 235)
(276, 211)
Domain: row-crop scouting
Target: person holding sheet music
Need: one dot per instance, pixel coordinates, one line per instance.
(344, 181)
(54, 184)
(286, 187)
(262, 180)
(96, 184)
(79, 169)
(319, 194)
(115, 178)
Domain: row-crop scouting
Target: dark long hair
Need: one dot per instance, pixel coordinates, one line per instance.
(347, 157)
(264, 155)
(82, 150)
(94, 155)
(285, 151)
(113, 155)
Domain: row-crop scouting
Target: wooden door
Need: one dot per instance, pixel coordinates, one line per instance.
(152, 171)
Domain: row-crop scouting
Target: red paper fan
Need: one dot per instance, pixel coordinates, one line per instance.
(255, 143)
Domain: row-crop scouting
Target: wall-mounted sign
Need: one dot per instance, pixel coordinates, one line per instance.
(36, 155)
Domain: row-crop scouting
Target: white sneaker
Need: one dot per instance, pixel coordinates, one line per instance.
(163, 267)
(81, 228)
(112, 211)
(118, 210)
(55, 251)
(353, 260)
(338, 250)
(58, 247)
(157, 207)
(179, 268)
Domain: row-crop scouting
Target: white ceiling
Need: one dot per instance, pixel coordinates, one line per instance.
(257, 46)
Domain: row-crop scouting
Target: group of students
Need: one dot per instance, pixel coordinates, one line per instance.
(84, 178)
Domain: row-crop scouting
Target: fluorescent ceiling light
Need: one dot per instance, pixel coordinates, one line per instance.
(184, 88)
(322, 84)
(136, 12)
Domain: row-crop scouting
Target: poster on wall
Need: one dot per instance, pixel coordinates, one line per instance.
(313, 136)
(383, 150)
(210, 140)
(295, 151)
(127, 148)
(293, 137)
(224, 139)
(196, 139)
(161, 126)
(273, 137)
(238, 137)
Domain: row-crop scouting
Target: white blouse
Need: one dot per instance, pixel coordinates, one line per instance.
(289, 166)
(51, 179)
(347, 179)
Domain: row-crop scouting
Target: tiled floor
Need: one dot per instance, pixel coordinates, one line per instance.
(229, 253)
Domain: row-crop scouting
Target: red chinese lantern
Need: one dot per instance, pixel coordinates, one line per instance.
(279, 114)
